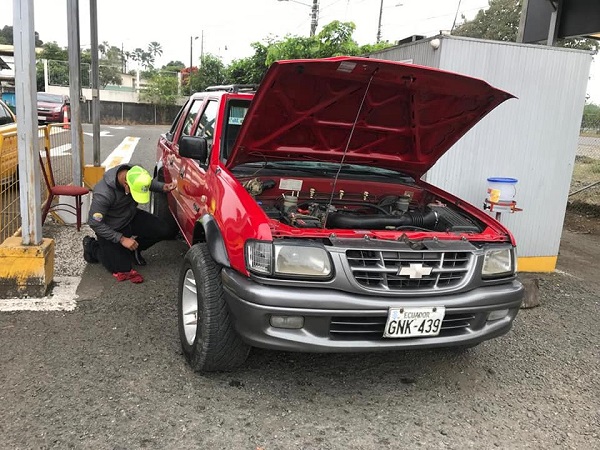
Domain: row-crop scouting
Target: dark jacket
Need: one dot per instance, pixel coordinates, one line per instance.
(112, 209)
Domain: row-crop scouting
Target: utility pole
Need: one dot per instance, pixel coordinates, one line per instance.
(379, 23)
(202, 49)
(95, 82)
(314, 17)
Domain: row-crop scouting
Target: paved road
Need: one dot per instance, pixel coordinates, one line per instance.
(110, 374)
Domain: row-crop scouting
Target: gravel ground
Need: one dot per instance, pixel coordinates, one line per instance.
(110, 375)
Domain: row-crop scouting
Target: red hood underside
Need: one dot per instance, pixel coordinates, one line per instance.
(361, 111)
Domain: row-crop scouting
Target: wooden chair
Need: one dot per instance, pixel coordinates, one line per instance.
(54, 190)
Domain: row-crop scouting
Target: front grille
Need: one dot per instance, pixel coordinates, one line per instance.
(396, 271)
(371, 328)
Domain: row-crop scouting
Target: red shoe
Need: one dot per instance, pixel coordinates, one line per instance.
(132, 276)
(135, 277)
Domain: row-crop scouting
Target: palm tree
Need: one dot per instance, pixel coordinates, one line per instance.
(155, 49)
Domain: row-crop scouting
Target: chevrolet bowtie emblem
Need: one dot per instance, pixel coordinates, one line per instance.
(414, 271)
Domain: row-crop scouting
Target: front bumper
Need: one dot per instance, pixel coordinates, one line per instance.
(336, 321)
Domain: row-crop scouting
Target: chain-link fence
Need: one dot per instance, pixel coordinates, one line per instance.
(585, 183)
(590, 124)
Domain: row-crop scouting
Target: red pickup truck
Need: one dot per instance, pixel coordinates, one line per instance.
(309, 226)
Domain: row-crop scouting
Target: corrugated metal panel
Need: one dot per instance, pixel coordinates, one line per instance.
(420, 52)
(532, 138)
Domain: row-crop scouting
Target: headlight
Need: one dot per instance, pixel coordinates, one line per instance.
(498, 263)
(287, 260)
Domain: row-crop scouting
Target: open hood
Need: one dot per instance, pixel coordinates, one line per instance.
(361, 111)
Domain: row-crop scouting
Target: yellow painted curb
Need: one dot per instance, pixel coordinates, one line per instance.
(25, 270)
(92, 174)
(537, 263)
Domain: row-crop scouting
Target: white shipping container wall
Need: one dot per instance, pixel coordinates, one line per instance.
(532, 138)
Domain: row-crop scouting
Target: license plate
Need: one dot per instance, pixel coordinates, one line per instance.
(414, 322)
(41, 118)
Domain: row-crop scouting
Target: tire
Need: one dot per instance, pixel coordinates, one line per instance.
(159, 206)
(208, 339)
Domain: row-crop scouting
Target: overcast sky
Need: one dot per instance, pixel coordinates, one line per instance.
(227, 27)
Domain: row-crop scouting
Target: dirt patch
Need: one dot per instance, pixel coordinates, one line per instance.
(583, 217)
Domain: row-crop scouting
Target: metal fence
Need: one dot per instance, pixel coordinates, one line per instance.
(54, 141)
(130, 113)
(585, 183)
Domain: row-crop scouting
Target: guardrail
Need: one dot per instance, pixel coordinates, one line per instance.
(53, 141)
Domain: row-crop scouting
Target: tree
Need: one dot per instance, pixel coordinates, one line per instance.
(162, 89)
(249, 70)
(155, 49)
(173, 66)
(333, 40)
(500, 22)
(591, 117)
(109, 64)
(6, 37)
(211, 72)
(58, 66)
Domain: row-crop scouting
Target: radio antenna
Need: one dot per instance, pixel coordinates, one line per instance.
(360, 107)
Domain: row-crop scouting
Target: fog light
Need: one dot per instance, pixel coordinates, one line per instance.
(292, 322)
(499, 314)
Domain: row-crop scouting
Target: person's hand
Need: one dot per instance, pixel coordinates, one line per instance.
(129, 243)
(169, 186)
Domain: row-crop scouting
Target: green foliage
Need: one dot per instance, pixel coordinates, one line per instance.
(249, 70)
(173, 66)
(591, 118)
(211, 72)
(6, 37)
(500, 22)
(58, 66)
(162, 89)
(335, 39)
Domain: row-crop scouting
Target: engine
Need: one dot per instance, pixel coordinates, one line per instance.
(361, 211)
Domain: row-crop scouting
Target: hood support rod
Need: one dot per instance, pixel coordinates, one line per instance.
(360, 107)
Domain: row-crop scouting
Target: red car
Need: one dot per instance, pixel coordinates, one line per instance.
(51, 108)
(309, 226)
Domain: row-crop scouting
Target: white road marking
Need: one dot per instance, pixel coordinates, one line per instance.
(62, 297)
(121, 154)
(60, 150)
(117, 128)
(103, 133)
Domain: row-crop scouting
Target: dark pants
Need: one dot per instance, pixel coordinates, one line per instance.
(148, 230)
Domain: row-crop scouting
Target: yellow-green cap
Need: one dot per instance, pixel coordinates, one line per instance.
(139, 181)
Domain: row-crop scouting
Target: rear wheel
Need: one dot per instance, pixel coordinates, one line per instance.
(208, 339)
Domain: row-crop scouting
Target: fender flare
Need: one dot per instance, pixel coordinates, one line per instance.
(214, 240)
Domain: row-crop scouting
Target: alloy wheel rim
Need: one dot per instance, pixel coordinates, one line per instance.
(189, 307)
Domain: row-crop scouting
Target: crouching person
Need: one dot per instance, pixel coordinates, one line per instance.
(123, 230)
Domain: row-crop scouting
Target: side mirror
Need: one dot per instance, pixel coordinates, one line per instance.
(193, 147)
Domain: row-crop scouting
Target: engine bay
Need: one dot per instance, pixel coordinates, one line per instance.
(358, 205)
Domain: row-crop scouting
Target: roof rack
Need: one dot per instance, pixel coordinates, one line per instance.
(233, 88)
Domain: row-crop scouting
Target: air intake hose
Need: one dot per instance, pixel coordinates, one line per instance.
(376, 222)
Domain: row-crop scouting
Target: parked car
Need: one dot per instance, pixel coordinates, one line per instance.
(9, 158)
(309, 226)
(53, 107)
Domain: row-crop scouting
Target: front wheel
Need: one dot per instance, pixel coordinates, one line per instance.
(208, 339)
